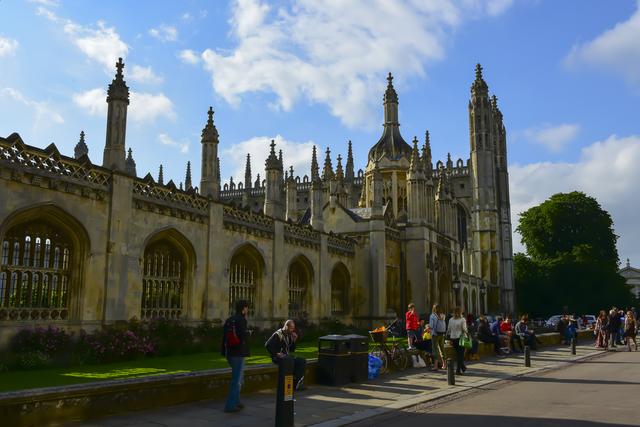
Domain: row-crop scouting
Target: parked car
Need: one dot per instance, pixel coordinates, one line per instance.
(552, 321)
(591, 320)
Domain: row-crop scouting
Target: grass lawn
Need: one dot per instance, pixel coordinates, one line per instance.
(20, 380)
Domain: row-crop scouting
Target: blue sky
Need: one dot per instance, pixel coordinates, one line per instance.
(566, 73)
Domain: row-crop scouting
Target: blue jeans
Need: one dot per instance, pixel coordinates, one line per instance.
(237, 366)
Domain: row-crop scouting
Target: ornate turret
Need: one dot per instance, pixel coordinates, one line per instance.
(210, 176)
(416, 203)
(391, 145)
(187, 179)
(118, 102)
(81, 148)
(131, 164)
(291, 188)
(273, 191)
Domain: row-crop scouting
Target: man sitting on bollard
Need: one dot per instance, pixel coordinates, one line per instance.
(528, 336)
(281, 344)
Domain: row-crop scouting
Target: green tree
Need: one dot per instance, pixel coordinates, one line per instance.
(571, 257)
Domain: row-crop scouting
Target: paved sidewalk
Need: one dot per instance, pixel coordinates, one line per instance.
(336, 406)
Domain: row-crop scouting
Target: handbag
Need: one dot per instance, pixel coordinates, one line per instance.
(465, 341)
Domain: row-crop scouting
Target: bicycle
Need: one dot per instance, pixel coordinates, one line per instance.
(396, 354)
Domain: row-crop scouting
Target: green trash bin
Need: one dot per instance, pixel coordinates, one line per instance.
(359, 357)
(334, 360)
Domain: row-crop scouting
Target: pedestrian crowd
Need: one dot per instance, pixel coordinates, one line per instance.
(426, 335)
(616, 328)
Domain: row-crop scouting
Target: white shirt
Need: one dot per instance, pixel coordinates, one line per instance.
(456, 327)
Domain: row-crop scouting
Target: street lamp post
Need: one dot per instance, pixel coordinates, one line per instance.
(483, 291)
(456, 290)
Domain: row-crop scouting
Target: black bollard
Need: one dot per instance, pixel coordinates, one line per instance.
(573, 346)
(451, 378)
(284, 400)
(527, 356)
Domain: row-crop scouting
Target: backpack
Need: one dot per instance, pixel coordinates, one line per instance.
(230, 336)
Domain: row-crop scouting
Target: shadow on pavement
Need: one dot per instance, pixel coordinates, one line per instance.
(445, 420)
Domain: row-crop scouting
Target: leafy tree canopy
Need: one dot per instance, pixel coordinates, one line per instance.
(571, 260)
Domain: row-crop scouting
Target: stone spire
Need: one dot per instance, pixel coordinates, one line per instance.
(339, 170)
(415, 165)
(390, 144)
(426, 155)
(118, 102)
(449, 162)
(628, 263)
(160, 176)
(349, 173)
(210, 174)
(131, 164)
(187, 179)
(81, 148)
(327, 170)
(315, 169)
(247, 173)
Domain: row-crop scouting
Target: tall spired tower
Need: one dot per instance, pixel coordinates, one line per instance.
(118, 102)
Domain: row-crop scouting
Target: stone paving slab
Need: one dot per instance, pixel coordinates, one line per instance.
(326, 406)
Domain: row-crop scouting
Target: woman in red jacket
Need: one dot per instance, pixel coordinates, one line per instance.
(411, 325)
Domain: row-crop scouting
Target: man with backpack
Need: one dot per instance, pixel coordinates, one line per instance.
(281, 344)
(235, 347)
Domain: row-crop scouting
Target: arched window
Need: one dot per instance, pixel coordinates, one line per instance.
(163, 281)
(31, 275)
(245, 272)
(299, 280)
(340, 281)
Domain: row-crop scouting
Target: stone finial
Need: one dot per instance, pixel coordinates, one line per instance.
(130, 164)
(81, 148)
(628, 263)
(209, 132)
(449, 161)
(291, 173)
(118, 89)
(272, 162)
(479, 85)
(327, 170)
(390, 95)
(160, 176)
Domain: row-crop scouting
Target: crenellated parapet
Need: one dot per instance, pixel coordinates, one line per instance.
(301, 236)
(341, 245)
(169, 200)
(247, 222)
(50, 169)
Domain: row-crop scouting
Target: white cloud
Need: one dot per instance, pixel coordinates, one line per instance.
(165, 139)
(100, 43)
(7, 46)
(617, 50)
(185, 16)
(44, 113)
(143, 107)
(555, 138)
(144, 75)
(189, 57)
(335, 53)
(49, 3)
(606, 170)
(296, 154)
(164, 33)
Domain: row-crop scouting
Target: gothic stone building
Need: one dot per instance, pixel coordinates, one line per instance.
(84, 244)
